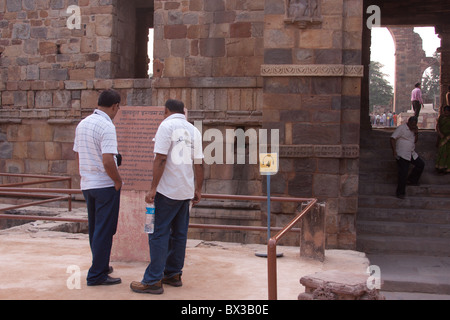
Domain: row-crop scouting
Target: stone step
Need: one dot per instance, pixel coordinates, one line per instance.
(386, 229)
(404, 215)
(413, 274)
(374, 244)
(392, 202)
(388, 189)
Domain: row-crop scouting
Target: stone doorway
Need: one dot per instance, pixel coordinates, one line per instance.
(399, 18)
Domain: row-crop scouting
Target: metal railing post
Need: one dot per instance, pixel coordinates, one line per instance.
(272, 268)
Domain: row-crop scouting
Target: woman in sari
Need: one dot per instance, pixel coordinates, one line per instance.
(443, 130)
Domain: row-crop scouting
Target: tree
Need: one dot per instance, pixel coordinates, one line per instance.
(380, 91)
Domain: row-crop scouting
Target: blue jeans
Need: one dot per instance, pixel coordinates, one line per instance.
(103, 214)
(168, 242)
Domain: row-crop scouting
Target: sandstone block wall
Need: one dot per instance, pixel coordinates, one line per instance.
(245, 64)
(312, 94)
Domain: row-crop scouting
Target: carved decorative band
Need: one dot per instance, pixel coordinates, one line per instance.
(312, 70)
(320, 151)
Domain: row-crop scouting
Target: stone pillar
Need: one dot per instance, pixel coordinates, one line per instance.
(131, 242)
(312, 93)
(312, 243)
(444, 50)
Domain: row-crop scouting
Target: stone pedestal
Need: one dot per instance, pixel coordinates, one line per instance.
(337, 285)
(131, 242)
(312, 243)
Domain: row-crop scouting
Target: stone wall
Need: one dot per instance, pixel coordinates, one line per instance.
(209, 54)
(312, 85)
(51, 75)
(245, 64)
(38, 137)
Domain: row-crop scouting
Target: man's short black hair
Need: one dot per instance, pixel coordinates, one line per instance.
(417, 85)
(175, 106)
(108, 98)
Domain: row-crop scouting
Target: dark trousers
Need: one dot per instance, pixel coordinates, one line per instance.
(103, 214)
(168, 242)
(414, 176)
(416, 106)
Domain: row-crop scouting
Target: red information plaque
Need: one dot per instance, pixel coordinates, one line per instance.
(136, 127)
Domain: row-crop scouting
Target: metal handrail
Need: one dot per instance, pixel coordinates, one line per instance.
(272, 251)
(12, 190)
(271, 246)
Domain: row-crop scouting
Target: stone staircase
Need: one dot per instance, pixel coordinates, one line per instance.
(392, 231)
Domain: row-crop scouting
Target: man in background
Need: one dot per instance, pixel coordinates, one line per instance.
(403, 142)
(416, 99)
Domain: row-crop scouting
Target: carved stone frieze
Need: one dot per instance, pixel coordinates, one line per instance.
(319, 151)
(312, 70)
(303, 13)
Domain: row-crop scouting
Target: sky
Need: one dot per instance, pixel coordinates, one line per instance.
(383, 47)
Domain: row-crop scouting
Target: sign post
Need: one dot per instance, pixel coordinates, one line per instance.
(268, 165)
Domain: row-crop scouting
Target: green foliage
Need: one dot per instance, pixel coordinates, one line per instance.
(381, 92)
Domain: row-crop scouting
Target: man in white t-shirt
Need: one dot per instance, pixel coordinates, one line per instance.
(403, 143)
(96, 145)
(177, 180)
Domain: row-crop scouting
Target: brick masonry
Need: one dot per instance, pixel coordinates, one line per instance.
(209, 53)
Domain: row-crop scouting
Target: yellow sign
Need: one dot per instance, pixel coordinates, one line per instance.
(268, 163)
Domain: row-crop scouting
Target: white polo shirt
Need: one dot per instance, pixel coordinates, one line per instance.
(95, 136)
(182, 143)
(405, 142)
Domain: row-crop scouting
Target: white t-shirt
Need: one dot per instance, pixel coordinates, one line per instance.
(405, 142)
(95, 136)
(182, 143)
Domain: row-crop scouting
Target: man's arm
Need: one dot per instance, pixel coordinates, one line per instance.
(393, 146)
(158, 169)
(198, 174)
(111, 169)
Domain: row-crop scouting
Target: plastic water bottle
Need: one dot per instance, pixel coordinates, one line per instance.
(149, 218)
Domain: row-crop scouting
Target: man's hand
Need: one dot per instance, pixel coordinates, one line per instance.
(111, 169)
(150, 196)
(197, 197)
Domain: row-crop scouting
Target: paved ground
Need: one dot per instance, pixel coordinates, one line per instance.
(34, 265)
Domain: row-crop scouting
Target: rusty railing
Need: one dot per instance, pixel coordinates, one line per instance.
(15, 190)
(272, 250)
(271, 246)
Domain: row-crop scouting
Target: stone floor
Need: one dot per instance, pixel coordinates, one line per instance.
(34, 264)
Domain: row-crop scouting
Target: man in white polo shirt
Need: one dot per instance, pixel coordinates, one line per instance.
(96, 145)
(403, 143)
(177, 180)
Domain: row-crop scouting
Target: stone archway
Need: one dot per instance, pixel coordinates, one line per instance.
(411, 62)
